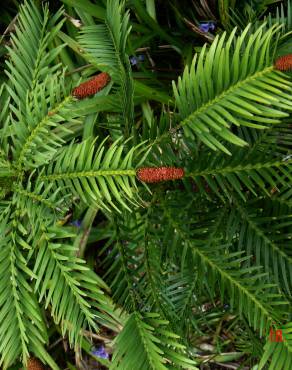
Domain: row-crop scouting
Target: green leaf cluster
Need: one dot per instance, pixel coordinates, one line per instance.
(168, 269)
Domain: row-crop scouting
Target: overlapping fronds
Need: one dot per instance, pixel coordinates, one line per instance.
(202, 242)
(22, 327)
(241, 174)
(209, 251)
(34, 137)
(39, 204)
(283, 16)
(124, 260)
(65, 283)
(36, 88)
(132, 266)
(278, 351)
(276, 141)
(228, 86)
(146, 343)
(180, 288)
(29, 62)
(4, 116)
(250, 295)
(104, 178)
(105, 46)
(266, 237)
(106, 43)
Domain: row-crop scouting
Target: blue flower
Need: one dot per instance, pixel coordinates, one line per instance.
(76, 223)
(135, 60)
(207, 26)
(100, 352)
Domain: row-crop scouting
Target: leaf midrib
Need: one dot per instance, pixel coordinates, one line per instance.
(79, 174)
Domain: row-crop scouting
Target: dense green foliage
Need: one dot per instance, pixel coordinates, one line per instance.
(183, 274)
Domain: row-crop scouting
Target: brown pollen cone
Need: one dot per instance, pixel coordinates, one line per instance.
(284, 63)
(91, 86)
(34, 364)
(157, 174)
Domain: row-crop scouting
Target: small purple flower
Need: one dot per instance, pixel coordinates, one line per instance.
(135, 60)
(100, 352)
(207, 26)
(76, 223)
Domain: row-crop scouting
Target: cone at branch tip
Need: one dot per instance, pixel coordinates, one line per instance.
(91, 86)
(158, 174)
(34, 364)
(284, 63)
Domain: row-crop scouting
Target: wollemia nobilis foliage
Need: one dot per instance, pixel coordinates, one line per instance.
(143, 225)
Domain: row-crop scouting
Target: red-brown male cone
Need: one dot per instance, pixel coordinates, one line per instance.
(284, 63)
(91, 86)
(157, 174)
(34, 364)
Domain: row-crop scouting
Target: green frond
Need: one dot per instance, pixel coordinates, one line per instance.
(279, 140)
(29, 62)
(203, 247)
(146, 343)
(283, 16)
(38, 90)
(35, 140)
(5, 99)
(180, 289)
(105, 47)
(248, 342)
(104, 179)
(8, 175)
(124, 259)
(278, 355)
(132, 265)
(198, 258)
(67, 285)
(276, 141)
(122, 275)
(22, 327)
(250, 295)
(163, 139)
(226, 87)
(266, 237)
(154, 281)
(241, 173)
(39, 204)
(30, 59)
(106, 43)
